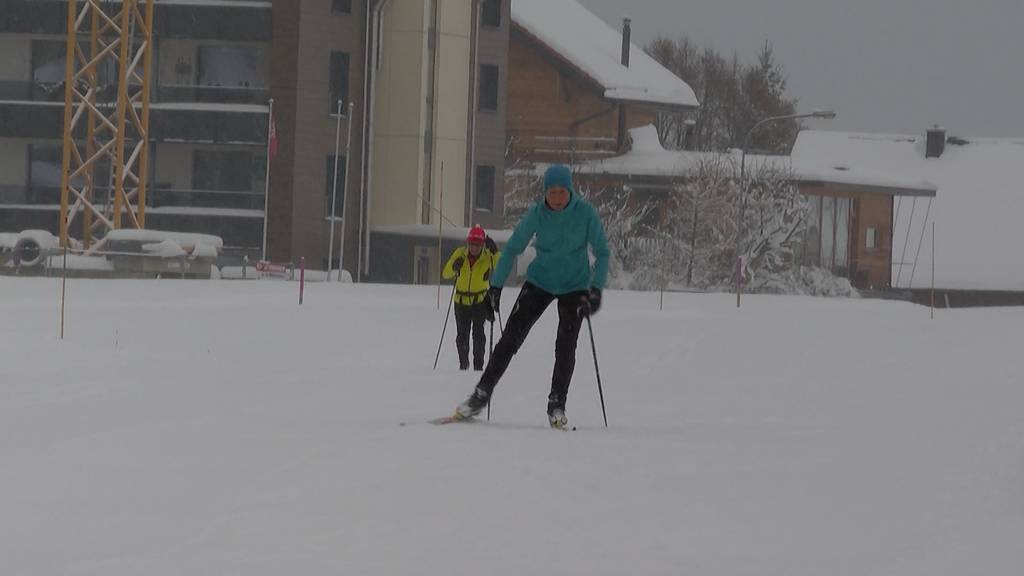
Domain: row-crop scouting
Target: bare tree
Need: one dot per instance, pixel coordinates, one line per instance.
(733, 96)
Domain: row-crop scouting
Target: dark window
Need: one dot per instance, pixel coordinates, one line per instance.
(220, 170)
(48, 69)
(49, 66)
(341, 6)
(44, 175)
(338, 81)
(339, 206)
(422, 269)
(484, 194)
(488, 87)
(492, 13)
(230, 67)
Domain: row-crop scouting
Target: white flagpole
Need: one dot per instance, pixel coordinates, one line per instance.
(334, 194)
(266, 191)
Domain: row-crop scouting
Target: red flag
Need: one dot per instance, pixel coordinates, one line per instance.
(272, 139)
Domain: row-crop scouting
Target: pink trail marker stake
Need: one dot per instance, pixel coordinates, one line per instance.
(739, 275)
(302, 278)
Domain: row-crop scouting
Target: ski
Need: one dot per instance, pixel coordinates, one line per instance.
(457, 420)
(450, 420)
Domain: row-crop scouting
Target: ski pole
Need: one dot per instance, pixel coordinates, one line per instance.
(489, 356)
(445, 328)
(593, 347)
(514, 304)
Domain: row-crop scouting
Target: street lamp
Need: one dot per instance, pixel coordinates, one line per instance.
(822, 114)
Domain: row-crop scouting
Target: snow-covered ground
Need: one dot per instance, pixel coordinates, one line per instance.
(212, 428)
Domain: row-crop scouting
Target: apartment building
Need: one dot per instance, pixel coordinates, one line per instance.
(424, 79)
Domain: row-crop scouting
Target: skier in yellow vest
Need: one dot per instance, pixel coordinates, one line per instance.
(473, 265)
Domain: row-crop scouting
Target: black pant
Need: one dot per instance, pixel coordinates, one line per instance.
(467, 317)
(529, 307)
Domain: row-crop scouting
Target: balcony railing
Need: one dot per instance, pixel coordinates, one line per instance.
(216, 94)
(216, 123)
(27, 91)
(219, 202)
(241, 20)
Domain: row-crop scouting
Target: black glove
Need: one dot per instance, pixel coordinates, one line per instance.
(457, 264)
(590, 302)
(493, 302)
(491, 245)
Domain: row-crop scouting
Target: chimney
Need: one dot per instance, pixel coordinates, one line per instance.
(627, 31)
(935, 142)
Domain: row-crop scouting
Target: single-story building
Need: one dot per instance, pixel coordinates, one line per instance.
(886, 192)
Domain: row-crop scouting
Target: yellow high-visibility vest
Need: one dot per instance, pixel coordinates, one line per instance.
(473, 280)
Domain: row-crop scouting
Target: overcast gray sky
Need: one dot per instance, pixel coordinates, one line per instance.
(884, 65)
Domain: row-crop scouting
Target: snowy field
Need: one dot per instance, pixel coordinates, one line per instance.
(216, 428)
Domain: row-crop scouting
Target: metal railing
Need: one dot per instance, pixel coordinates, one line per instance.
(211, 94)
(158, 197)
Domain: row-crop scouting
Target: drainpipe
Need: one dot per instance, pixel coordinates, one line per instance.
(474, 90)
(371, 62)
(627, 32)
(368, 48)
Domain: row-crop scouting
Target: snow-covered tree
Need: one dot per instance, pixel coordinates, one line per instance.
(522, 184)
(703, 219)
(626, 219)
(774, 220)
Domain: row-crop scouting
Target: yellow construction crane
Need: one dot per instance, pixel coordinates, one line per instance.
(105, 38)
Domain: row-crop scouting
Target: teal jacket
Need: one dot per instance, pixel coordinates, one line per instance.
(562, 264)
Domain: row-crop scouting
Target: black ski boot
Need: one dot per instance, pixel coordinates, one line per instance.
(472, 406)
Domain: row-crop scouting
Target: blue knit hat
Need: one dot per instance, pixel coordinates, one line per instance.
(558, 175)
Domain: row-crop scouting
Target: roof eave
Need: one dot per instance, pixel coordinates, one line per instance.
(568, 63)
(658, 105)
(878, 189)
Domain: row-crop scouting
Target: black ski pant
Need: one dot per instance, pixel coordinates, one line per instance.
(529, 307)
(469, 318)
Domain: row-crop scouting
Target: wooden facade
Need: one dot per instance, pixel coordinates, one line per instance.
(869, 259)
(556, 113)
(866, 224)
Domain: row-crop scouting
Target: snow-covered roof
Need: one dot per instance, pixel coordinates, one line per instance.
(158, 236)
(877, 160)
(647, 157)
(8, 240)
(979, 199)
(594, 47)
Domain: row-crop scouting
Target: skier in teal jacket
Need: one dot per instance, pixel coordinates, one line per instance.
(563, 227)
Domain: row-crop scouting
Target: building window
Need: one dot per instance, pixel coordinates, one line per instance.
(44, 175)
(222, 170)
(45, 164)
(870, 239)
(484, 194)
(488, 87)
(422, 269)
(230, 67)
(48, 69)
(339, 205)
(338, 81)
(341, 6)
(492, 13)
